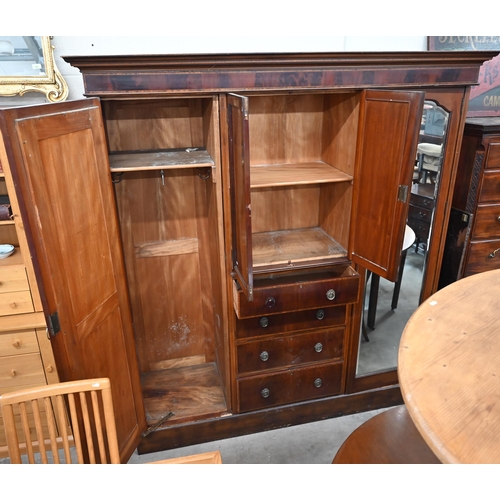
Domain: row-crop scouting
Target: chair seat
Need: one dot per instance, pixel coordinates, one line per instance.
(389, 437)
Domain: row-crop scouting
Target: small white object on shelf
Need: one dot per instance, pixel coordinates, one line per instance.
(6, 251)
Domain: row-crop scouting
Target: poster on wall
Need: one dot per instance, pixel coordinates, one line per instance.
(485, 97)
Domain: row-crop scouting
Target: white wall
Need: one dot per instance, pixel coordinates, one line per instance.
(91, 45)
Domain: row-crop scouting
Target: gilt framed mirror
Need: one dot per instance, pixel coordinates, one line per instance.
(27, 65)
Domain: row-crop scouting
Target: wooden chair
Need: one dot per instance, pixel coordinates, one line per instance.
(36, 422)
(389, 437)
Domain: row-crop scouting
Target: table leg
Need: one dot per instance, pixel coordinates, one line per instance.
(372, 304)
(397, 286)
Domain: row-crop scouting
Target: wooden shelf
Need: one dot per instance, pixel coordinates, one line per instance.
(160, 160)
(294, 247)
(316, 172)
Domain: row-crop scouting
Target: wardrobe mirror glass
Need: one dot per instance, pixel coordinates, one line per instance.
(388, 306)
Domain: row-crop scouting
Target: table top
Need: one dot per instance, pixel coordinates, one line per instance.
(409, 238)
(449, 370)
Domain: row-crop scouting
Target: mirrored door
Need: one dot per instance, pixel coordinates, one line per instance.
(387, 306)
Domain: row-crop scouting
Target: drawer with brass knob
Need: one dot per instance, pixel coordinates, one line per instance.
(291, 386)
(298, 292)
(483, 256)
(291, 350)
(290, 322)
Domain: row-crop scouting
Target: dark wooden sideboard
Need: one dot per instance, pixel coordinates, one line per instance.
(201, 226)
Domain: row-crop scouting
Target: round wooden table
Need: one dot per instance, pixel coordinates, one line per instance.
(449, 370)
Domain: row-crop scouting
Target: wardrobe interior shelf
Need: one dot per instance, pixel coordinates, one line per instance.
(160, 160)
(294, 247)
(292, 174)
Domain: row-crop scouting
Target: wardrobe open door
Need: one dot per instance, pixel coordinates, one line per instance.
(239, 164)
(385, 157)
(59, 160)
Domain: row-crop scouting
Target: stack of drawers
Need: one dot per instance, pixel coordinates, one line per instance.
(290, 339)
(420, 211)
(473, 239)
(26, 357)
(484, 251)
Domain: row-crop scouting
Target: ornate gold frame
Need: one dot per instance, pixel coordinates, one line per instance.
(52, 84)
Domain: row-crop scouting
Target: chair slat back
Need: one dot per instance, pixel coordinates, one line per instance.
(54, 419)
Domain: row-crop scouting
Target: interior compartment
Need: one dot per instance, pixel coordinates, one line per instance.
(302, 155)
(163, 157)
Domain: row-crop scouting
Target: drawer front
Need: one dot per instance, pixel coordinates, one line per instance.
(25, 369)
(490, 188)
(15, 303)
(297, 296)
(483, 256)
(323, 345)
(493, 159)
(487, 225)
(422, 201)
(421, 228)
(291, 322)
(420, 213)
(291, 386)
(13, 279)
(15, 343)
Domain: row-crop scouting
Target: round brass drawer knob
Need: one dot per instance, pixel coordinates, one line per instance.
(318, 383)
(265, 393)
(330, 295)
(318, 347)
(270, 302)
(264, 322)
(264, 355)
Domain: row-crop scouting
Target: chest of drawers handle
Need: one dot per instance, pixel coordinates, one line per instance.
(493, 254)
(13, 373)
(318, 347)
(264, 355)
(16, 344)
(318, 383)
(330, 295)
(270, 302)
(320, 314)
(265, 393)
(264, 322)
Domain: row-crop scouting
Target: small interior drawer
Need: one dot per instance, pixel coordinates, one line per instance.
(14, 343)
(290, 322)
(13, 279)
(298, 293)
(291, 386)
(291, 350)
(25, 369)
(16, 303)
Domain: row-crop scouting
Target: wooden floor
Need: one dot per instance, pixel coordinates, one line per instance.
(188, 392)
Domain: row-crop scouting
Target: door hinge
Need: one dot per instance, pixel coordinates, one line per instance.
(403, 193)
(54, 324)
